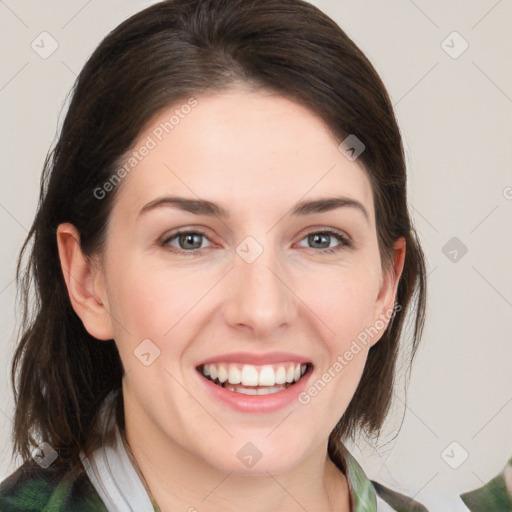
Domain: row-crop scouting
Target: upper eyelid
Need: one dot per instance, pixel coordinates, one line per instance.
(345, 237)
(184, 231)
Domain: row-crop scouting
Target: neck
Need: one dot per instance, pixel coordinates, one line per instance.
(189, 484)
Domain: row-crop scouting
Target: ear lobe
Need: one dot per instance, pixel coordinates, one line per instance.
(385, 304)
(81, 276)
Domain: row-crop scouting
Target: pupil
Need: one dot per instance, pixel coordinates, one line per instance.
(317, 236)
(187, 237)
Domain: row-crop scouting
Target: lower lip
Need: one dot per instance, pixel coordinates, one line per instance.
(257, 403)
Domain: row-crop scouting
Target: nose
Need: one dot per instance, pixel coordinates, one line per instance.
(259, 296)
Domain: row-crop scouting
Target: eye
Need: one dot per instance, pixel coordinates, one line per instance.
(188, 241)
(324, 237)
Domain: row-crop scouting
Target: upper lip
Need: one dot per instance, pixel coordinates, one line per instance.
(256, 359)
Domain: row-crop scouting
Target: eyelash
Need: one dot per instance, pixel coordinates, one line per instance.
(345, 241)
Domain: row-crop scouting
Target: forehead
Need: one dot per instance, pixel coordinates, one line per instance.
(244, 148)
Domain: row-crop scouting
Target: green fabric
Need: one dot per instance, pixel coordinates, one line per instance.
(361, 489)
(364, 491)
(155, 506)
(495, 496)
(32, 488)
(399, 502)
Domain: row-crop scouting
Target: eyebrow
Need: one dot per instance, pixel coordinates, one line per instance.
(204, 207)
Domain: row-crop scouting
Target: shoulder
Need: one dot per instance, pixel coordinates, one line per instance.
(365, 491)
(53, 489)
(397, 501)
(494, 496)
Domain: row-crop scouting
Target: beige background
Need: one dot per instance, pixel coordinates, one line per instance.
(455, 114)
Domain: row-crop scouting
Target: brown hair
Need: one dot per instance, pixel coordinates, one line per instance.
(171, 50)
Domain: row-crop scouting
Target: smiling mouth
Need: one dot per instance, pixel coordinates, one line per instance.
(254, 380)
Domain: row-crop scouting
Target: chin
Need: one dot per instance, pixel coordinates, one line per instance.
(254, 458)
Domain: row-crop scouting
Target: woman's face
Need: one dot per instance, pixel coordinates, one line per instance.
(254, 290)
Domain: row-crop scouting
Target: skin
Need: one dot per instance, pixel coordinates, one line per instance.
(256, 154)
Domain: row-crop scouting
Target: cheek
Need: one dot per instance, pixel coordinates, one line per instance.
(159, 303)
(347, 312)
(345, 302)
(151, 300)
(345, 305)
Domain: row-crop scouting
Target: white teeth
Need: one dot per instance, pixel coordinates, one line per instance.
(249, 391)
(267, 375)
(280, 375)
(255, 391)
(271, 390)
(223, 373)
(249, 375)
(234, 374)
(297, 374)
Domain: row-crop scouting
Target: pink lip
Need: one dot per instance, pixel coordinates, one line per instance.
(257, 359)
(256, 403)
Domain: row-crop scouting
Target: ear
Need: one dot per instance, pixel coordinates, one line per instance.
(85, 284)
(385, 303)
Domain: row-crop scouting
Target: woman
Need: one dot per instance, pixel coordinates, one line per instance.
(224, 375)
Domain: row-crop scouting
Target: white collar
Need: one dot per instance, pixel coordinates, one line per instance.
(112, 473)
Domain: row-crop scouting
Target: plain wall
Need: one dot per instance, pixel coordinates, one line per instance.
(455, 113)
